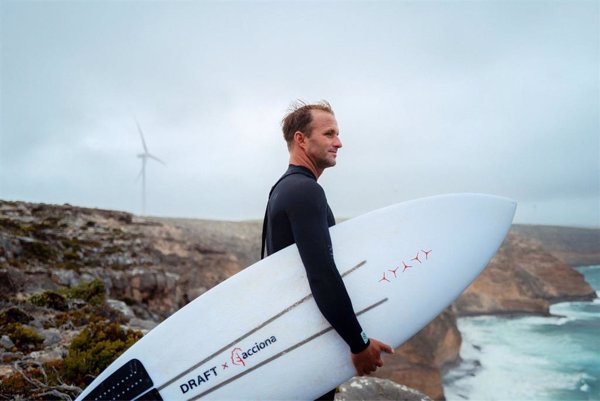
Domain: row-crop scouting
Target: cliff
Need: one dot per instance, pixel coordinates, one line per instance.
(420, 362)
(152, 266)
(77, 285)
(523, 278)
(574, 246)
(65, 271)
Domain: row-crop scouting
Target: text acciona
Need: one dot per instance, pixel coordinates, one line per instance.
(237, 356)
(257, 347)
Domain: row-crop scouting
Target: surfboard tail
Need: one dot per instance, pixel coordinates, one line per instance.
(130, 382)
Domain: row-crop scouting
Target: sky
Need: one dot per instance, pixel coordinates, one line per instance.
(431, 97)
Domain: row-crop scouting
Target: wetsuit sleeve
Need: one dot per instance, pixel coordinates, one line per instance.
(308, 219)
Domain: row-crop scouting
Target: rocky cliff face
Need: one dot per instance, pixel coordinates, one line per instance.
(420, 362)
(149, 268)
(58, 264)
(574, 246)
(523, 278)
(152, 266)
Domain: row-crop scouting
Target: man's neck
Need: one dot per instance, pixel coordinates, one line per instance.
(302, 160)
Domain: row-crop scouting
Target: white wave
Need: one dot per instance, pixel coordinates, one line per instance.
(576, 310)
(509, 359)
(514, 379)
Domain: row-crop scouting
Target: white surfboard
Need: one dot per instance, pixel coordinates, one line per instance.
(259, 335)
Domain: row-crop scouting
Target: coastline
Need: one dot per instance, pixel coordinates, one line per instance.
(485, 335)
(153, 266)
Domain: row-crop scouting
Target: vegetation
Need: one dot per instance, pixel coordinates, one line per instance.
(94, 349)
(24, 338)
(88, 314)
(90, 352)
(37, 381)
(49, 299)
(39, 250)
(45, 241)
(100, 342)
(56, 237)
(93, 293)
(14, 315)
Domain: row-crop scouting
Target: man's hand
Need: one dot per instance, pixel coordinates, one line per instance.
(369, 360)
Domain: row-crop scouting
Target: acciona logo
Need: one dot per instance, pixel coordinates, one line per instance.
(238, 357)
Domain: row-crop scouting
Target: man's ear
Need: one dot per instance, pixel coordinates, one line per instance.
(299, 138)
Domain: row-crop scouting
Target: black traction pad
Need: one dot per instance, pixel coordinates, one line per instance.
(126, 383)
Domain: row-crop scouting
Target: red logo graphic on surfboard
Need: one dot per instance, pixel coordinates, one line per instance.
(236, 358)
(418, 258)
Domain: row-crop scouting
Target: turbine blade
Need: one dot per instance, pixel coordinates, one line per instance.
(155, 158)
(141, 136)
(139, 175)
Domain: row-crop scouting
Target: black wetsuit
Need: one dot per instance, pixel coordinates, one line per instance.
(298, 213)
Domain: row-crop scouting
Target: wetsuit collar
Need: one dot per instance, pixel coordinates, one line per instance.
(294, 169)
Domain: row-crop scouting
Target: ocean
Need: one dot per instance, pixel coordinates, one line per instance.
(531, 358)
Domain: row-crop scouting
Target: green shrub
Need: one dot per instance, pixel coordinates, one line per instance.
(18, 387)
(96, 347)
(49, 299)
(41, 251)
(92, 292)
(89, 314)
(24, 338)
(14, 315)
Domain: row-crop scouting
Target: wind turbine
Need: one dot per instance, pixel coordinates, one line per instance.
(144, 156)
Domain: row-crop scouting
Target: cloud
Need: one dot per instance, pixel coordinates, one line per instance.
(431, 97)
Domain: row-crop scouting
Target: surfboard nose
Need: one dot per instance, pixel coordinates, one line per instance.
(501, 209)
(506, 206)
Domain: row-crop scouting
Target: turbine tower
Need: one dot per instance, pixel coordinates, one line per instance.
(144, 156)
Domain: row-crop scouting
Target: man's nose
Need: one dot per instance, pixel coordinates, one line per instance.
(337, 143)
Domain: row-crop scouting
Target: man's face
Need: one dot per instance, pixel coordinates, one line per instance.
(324, 141)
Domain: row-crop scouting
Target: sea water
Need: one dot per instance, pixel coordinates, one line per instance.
(531, 358)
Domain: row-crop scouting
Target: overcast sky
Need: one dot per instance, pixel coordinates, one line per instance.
(431, 97)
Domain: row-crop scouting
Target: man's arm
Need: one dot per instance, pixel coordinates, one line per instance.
(308, 218)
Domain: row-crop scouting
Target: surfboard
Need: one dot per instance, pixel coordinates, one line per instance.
(259, 334)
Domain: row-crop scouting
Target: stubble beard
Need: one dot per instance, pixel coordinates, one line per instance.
(329, 161)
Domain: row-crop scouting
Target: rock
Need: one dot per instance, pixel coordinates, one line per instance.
(51, 336)
(141, 324)
(11, 281)
(6, 343)
(48, 355)
(420, 362)
(372, 388)
(75, 303)
(121, 307)
(194, 293)
(158, 266)
(9, 357)
(522, 278)
(5, 370)
(36, 324)
(574, 246)
(63, 277)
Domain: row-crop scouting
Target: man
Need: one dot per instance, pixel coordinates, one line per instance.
(297, 212)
